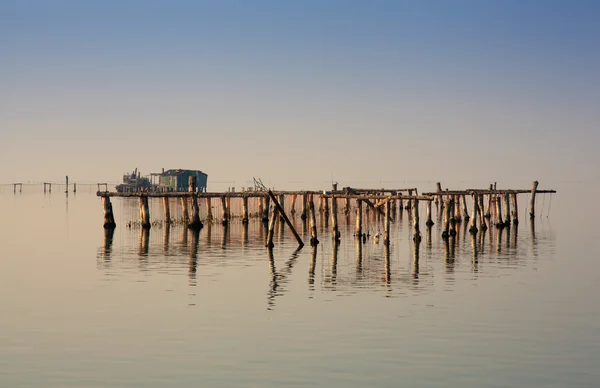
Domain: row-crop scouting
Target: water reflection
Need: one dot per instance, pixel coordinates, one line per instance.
(279, 280)
(144, 242)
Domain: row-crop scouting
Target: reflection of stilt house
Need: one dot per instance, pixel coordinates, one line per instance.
(177, 180)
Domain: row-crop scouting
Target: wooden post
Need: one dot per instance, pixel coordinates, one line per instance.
(50, 187)
(386, 231)
(326, 206)
(228, 206)
(417, 232)
(195, 221)
(480, 209)
(166, 210)
(281, 204)
(452, 220)
(506, 209)
(293, 206)
(347, 207)
(304, 202)
(532, 201)
(334, 223)
(184, 209)
(74, 187)
(192, 184)
(466, 216)
(144, 212)
(261, 205)
(515, 209)
(321, 208)
(271, 233)
(267, 206)
(245, 210)
(499, 222)
(223, 210)
(409, 204)
(429, 221)
(67, 184)
(489, 208)
(313, 223)
(447, 209)
(209, 215)
(280, 209)
(358, 232)
(473, 227)
(457, 215)
(109, 218)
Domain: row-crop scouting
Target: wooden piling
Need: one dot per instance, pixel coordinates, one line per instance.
(271, 232)
(166, 209)
(386, 231)
(347, 206)
(499, 222)
(326, 206)
(466, 216)
(265, 217)
(184, 209)
(223, 210)
(293, 205)
(488, 211)
(532, 201)
(358, 230)
(313, 223)
(109, 218)
(281, 204)
(304, 203)
(429, 221)
(74, 187)
(209, 215)
(228, 206)
(506, 210)
(515, 212)
(416, 231)
(144, 212)
(67, 184)
(334, 221)
(447, 209)
(261, 204)
(457, 214)
(195, 222)
(287, 220)
(245, 210)
(452, 220)
(409, 204)
(473, 228)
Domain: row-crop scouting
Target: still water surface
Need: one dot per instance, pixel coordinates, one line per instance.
(82, 308)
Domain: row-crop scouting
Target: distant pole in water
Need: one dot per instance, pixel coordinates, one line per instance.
(74, 187)
(67, 184)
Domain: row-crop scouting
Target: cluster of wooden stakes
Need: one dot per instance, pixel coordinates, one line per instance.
(487, 206)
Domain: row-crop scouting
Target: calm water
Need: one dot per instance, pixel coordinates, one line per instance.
(81, 308)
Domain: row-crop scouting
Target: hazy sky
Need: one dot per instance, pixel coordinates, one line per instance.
(298, 92)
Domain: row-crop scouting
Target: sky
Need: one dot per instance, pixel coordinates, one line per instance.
(300, 93)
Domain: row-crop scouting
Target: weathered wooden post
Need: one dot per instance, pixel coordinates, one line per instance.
(532, 201)
(429, 221)
(271, 232)
(281, 204)
(144, 212)
(313, 223)
(515, 209)
(245, 210)
(267, 206)
(446, 208)
(293, 205)
(304, 202)
(409, 204)
(457, 215)
(499, 222)
(386, 231)
(358, 232)
(261, 206)
(321, 206)
(223, 210)
(166, 209)
(488, 211)
(67, 184)
(50, 187)
(195, 222)
(334, 223)
(326, 202)
(452, 220)
(473, 228)
(209, 215)
(507, 210)
(347, 206)
(74, 187)
(438, 199)
(286, 219)
(184, 209)
(466, 216)
(228, 205)
(417, 232)
(109, 218)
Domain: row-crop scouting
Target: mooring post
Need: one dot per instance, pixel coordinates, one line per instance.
(417, 232)
(321, 208)
(409, 204)
(473, 227)
(304, 202)
(184, 209)
(209, 215)
(245, 210)
(271, 232)
(166, 210)
(228, 205)
(386, 231)
(261, 206)
(347, 206)
(334, 223)
(223, 210)
(515, 209)
(506, 209)
(144, 212)
(438, 199)
(109, 218)
(482, 221)
(499, 222)
(532, 202)
(358, 232)
(313, 223)
(287, 220)
(326, 206)
(429, 221)
(195, 223)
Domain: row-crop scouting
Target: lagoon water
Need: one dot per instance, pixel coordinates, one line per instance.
(82, 308)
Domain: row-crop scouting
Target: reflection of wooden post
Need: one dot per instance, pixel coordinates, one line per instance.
(313, 223)
(184, 209)
(286, 219)
(144, 212)
(386, 232)
(166, 210)
(417, 232)
(358, 232)
(473, 228)
(334, 223)
(532, 202)
(515, 210)
(245, 210)
(271, 233)
(109, 219)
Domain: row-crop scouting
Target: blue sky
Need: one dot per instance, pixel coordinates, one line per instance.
(298, 92)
